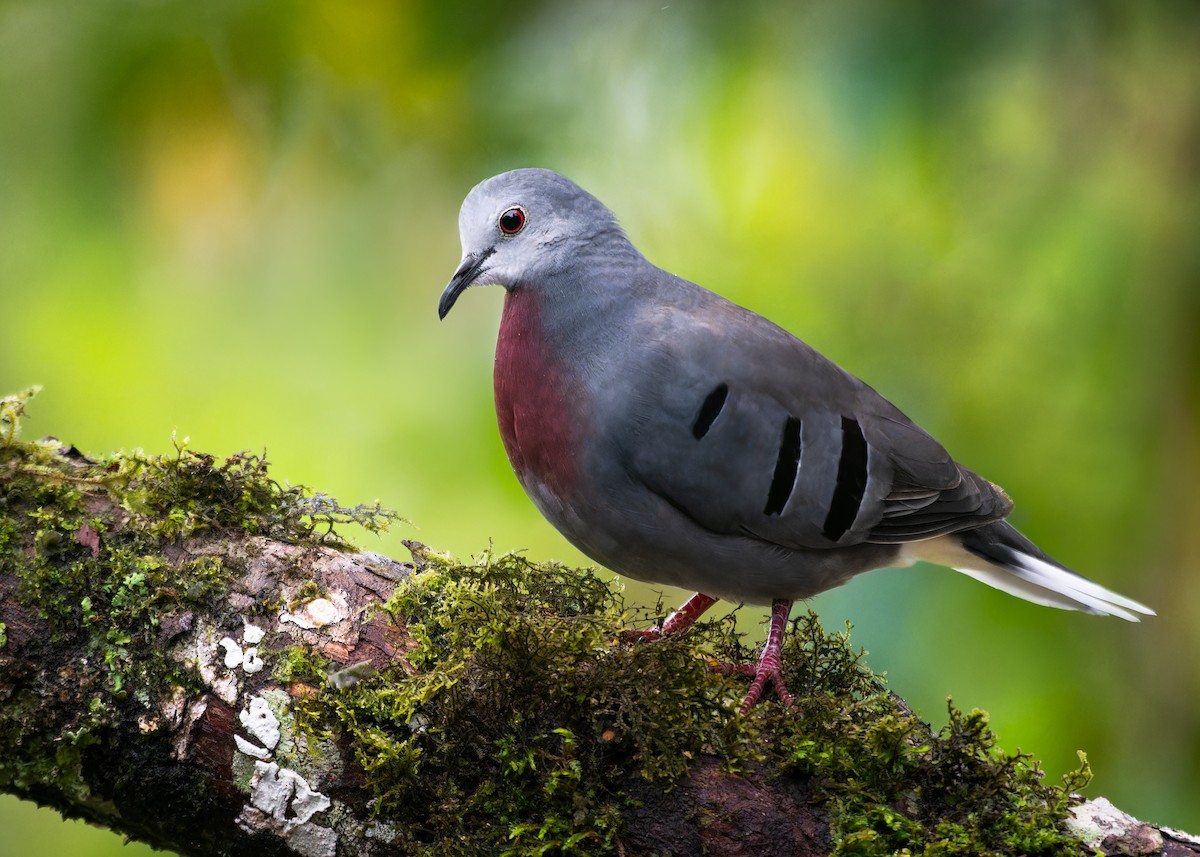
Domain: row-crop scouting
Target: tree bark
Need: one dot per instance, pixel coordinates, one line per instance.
(201, 772)
(194, 744)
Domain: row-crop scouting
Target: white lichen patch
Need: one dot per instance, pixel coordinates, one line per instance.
(381, 831)
(311, 840)
(258, 719)
(172, 705)
(226, 689)
(351, 675)
(202, 652)
(213, 658)
(250, 748)
(233, 652)
(251, 633)
(283, 803)
(319, 612)
(1181, 836)
(251, 662)
(248, 659)
(1097, 821)
(181, 743)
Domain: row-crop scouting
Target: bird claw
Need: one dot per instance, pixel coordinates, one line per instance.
(764, 674)
(769, 669)
(762, 677)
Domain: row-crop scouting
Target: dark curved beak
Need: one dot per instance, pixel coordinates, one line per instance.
(466, 275)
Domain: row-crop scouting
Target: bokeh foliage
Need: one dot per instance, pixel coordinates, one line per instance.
(234, 219)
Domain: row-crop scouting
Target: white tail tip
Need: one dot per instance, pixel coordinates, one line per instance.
(1028, 577)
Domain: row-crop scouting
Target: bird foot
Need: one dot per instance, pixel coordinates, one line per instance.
(636, 635)
(769, 669)
(764, 674)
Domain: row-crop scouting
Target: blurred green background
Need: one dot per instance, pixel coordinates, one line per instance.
(234, 220)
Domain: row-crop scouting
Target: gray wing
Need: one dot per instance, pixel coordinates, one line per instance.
(747, 430)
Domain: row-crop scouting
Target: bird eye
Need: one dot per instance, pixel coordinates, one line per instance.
(512, 221)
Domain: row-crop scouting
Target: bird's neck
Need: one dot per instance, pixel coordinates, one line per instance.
(537, 414)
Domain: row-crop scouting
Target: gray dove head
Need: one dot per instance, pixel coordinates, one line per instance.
(520, 228)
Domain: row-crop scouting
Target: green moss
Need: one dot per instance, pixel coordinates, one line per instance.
(189, 492)
(896, 787)
(301, 664)
(519, 711)
(520, 715)
(308, 591)
(104, 584)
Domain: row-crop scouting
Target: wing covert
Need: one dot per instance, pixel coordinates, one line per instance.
(753, 432)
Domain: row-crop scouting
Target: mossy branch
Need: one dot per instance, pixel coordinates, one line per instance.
(190, 655)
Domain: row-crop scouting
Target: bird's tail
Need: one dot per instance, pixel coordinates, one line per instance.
(998, 555)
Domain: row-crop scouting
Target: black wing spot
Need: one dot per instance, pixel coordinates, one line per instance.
(709, 411)
(786, 468)
(851, 481)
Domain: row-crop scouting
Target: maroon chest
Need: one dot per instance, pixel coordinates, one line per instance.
(538, 419)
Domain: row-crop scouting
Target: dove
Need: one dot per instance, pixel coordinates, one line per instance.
(678, 438)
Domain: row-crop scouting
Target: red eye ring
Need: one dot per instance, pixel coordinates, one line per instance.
(512, 221)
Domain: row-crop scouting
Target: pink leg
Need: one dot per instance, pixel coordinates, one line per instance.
(679, 621)
(770, 664)
(686, 616)
(769, 669)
